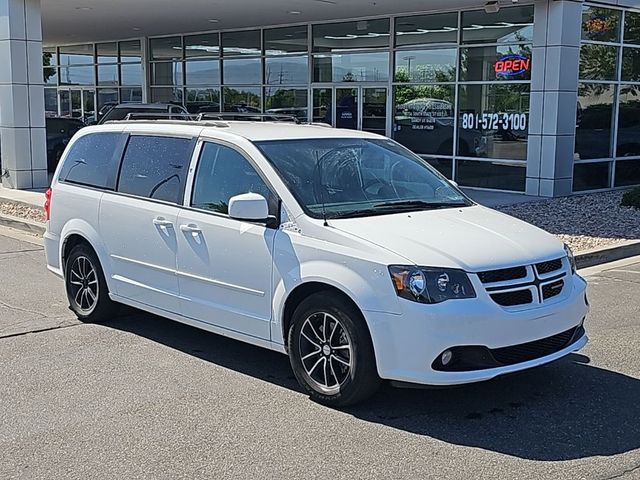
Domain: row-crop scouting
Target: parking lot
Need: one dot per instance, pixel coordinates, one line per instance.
(143, 397)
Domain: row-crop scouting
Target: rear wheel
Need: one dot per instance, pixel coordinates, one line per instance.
(86, 287)
(331, 352)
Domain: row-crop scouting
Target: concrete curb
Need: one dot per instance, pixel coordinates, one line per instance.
(598, 256)
(23, 224)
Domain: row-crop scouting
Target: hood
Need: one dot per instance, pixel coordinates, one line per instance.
(472, 238)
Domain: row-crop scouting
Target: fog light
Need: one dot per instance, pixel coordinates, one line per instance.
(446, 357)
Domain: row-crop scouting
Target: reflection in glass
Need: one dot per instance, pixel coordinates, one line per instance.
(426, 66)
(202, 72)
(443, 165)
(76, 55)
(286, 70)
(495, 63)
(108, 75)
(336, 37)
(50, 75)
(241, 43)
(632, 28)
(134, 95)
(65, 103)
(131, 74)
(426, 29)
(598, 62)
(509, 25)
(286, 101)
(493, 121)
(374, 110)
(49, 56)
(242, 99)
(424, 118)
(351, 67)
(347, 108)
(51, 102)
(107, 98)
(166, 73)
(600, 24)
(168, 48)
(629, 122)
(130, 51)
(286, 40)
(207, 45)
(627, 173)
(164, 95)
(590, 176)
(631, 65)
(203, 100)
(594, 120)
(243, 71)
(107, 52)
(499, 175)
(322, 102)
(77, 75)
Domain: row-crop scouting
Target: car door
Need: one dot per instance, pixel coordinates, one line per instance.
(224, 265)
(139, 221)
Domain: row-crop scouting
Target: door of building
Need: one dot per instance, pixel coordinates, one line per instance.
(78, 103)
(352, 107)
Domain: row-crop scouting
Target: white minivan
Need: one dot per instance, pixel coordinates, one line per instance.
(340, 248)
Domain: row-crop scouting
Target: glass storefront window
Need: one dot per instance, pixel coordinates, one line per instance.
(76, 55)
(590, 176)
(77, 75)
(50, 75)
(598, 62)
(631, 65)
(509, 25)
(166, 73)
(107, 98)
(627, 173)
(632, 28)
(286, 40)
(107, 52)
(202, 72)
(134, 95)
(242, 71)
(286, 70)
(164, 95)
(203, 100)
(351, 67)
(131, 74)
(498, 175)
(322, 101)
(167, 48)
(361, 34)
(241, 43)
(51, 102)
(594, 120)
(286, 101)
(427, 29)
(108, 75)
(49, 56)
(424, 118)
(600, 24)
(426, 66)
(443, 165)
(207, 45)
(131, 51)
(629, 122)
(493, 121)
(486, 64)
(242, 99)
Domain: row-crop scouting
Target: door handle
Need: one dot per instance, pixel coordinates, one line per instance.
(190, 228)
(162, 223)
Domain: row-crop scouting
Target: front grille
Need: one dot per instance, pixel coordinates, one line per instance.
(511, 299)
(537, 349)
(552, 290)
(503, 275)
(548, 267)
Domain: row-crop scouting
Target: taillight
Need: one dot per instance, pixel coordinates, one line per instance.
(47, 203)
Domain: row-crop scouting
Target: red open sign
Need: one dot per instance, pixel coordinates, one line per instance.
(512, 65)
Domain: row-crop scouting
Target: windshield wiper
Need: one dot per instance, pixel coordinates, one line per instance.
(413, 204)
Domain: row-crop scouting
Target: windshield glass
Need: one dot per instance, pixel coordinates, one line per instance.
(351, 177)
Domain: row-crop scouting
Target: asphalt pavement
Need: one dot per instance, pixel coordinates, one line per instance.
(144, 397)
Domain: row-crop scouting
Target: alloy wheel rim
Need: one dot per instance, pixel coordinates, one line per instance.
(326, 351)
(84, 284)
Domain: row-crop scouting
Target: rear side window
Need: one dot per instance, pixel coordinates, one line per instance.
(156, 167)
(92, 160)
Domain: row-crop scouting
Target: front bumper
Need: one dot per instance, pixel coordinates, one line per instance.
(407, 345)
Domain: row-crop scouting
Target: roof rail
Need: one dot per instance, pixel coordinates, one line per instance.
(158, 116)
(242, 116)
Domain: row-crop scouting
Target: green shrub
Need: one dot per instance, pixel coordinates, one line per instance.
(632, 198)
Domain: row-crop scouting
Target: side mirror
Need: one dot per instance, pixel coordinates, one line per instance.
(249, 206)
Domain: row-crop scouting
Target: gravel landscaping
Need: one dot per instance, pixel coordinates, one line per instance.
(22, 210)
(583, 221)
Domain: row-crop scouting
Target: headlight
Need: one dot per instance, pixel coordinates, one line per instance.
(431, 285)
(572, 259)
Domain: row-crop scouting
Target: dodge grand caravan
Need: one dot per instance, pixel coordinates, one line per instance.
(339, 248)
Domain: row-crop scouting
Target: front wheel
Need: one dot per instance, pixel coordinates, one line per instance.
(331, 351)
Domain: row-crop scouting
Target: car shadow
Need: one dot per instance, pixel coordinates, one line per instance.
(563, 411)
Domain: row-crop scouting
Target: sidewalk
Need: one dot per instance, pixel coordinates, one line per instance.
(30, 197)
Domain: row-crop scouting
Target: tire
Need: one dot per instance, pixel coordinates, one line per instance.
(331, 352)
(86, 287)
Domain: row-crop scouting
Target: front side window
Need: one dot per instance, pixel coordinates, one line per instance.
(155, 167)
(92, 160)
(352, 177)
(224, 173)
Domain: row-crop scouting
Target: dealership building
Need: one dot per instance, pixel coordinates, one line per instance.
(537, 97)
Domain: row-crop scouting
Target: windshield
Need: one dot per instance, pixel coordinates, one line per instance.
(352, 177)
